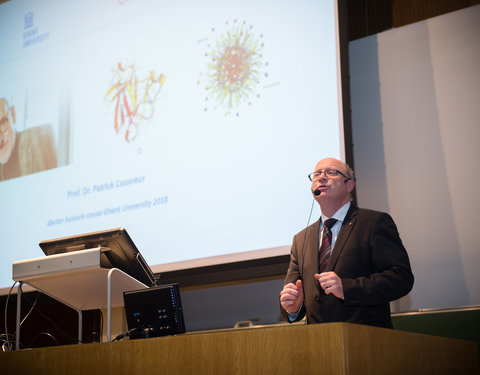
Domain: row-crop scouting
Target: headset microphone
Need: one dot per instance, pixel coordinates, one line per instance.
(316, 192)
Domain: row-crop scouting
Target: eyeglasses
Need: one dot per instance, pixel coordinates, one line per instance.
(5, 121)
(4, 124)
(328, 173)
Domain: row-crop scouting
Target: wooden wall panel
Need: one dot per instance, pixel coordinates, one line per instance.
(409, 11)
(335, 349)
(368, 17)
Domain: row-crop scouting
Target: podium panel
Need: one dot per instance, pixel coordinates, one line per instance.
(334, 348)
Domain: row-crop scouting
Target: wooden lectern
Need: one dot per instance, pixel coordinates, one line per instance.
(333, 348)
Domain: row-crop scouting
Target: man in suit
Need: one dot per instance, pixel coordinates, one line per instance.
(358, 269)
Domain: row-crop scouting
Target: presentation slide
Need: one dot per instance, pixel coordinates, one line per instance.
(191, 123)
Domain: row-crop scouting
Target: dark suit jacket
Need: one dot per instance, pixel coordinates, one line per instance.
(369, 258)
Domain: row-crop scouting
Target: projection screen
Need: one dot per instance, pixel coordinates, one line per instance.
(192, 124)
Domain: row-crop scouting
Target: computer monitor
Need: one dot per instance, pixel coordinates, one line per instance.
(154, 312)
(120, 251)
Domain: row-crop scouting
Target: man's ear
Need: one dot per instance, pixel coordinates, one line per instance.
(350, 185)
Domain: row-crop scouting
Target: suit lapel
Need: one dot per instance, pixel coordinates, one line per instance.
(343, 235)
(313, 245)
(311, 252)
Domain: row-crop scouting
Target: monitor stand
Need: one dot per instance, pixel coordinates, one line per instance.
(77, 280)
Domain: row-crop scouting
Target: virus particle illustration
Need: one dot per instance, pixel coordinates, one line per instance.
(234, 67)
(133, 98)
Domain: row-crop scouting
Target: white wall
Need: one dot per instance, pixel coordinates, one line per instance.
(415, 96)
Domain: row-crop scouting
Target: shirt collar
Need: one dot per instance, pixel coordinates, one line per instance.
(340, 214)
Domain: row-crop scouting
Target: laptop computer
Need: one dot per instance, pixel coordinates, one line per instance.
(120, 251)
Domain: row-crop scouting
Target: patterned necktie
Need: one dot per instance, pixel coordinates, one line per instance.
(324, 254)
